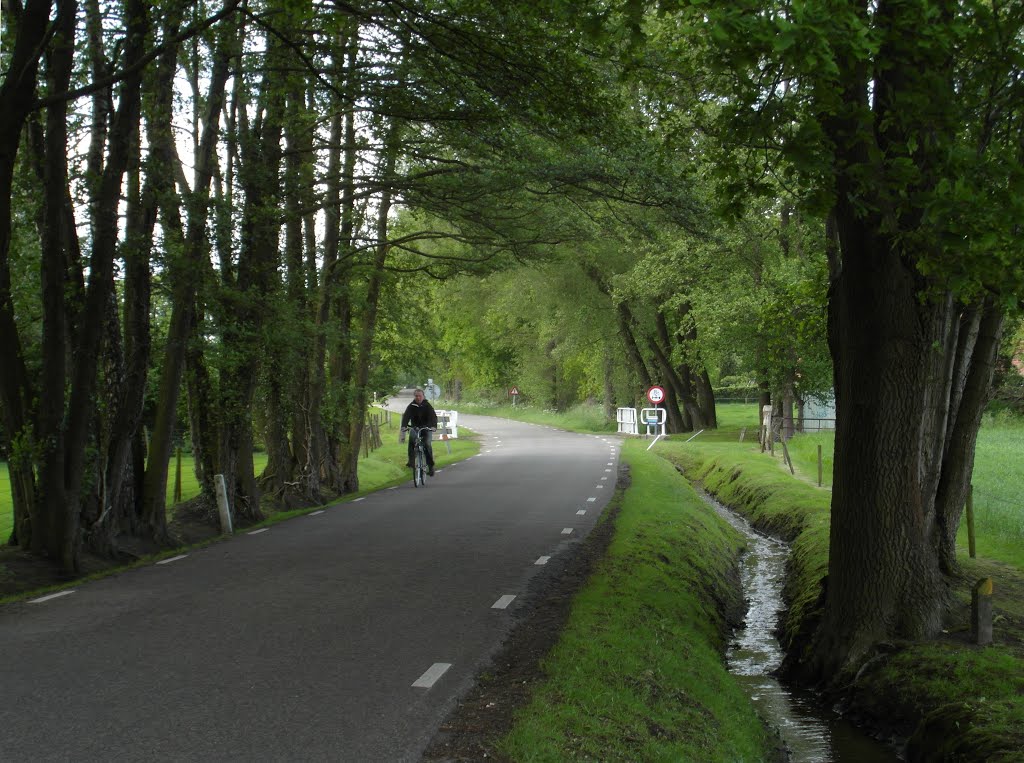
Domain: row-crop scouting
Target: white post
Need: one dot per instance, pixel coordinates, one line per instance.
(222, 504)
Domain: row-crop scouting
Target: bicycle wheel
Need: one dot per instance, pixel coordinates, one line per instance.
(419, 468)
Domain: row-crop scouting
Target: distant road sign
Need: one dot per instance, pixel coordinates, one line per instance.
(656, 395)
(431, 392)
(514, 391)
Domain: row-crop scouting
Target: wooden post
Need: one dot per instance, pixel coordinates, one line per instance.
(981, 612)
(743, 433)
(970, 521)
(819, 465)
(176, 498)
(785, 455)
(223, 508)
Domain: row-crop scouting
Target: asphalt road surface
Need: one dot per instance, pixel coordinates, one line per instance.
(343, 635)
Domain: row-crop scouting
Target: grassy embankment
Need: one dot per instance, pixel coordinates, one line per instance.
(638, 672)
(954, 700)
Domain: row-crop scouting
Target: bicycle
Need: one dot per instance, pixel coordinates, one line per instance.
(419, 457)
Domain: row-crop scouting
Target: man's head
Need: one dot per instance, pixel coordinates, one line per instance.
(418, 396)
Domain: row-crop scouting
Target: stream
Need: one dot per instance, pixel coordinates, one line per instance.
(812, 732)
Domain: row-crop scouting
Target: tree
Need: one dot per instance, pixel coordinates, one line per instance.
(904, 139)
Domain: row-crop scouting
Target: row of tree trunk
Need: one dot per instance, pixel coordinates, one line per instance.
(270, 309)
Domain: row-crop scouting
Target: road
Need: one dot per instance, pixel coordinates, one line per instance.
(342, 635)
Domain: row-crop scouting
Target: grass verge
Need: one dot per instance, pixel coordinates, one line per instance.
(638, 672)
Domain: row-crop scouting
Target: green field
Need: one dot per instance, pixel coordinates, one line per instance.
(998, 482)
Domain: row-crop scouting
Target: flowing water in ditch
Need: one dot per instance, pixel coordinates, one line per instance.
(812, 732)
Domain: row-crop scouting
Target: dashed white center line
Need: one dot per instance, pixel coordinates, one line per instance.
(604, 478)
(542, 560)
(434, 672)
(607, 470)
(598, 487)
(581, 512)
(566, 530)
(592, 499)
(57, 595)
(257, 532)
(503, 602)
(172, 559)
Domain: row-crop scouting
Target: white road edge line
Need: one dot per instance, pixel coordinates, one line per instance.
(434, 672)
(314, 513)
(57, 595)
(504, 601)
(257, 532)
(566, 531)
(542, 560)
(581, 512)
(172, 559)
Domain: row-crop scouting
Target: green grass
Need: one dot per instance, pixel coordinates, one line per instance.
(581, 418)
(6, 504)
(638, 672)
(998, 481)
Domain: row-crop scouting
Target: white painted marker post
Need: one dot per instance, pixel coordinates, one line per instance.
(222, 504)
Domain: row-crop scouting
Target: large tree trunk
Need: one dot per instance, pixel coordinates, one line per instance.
(910, 388)
(287, 378)
(249, 297)
(186, 275)
(49, 527)
(359, 400)
(912, 365)
(334, 315)
(16, 398)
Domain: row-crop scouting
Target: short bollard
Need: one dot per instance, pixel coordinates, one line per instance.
(981, 612)
(223, 508)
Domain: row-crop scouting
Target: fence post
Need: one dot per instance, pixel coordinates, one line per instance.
(981, 612)
(819, 464)
(970, 521)
(785, 455)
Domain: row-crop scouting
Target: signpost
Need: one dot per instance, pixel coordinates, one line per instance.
(656, 395)
(431, 391)
(514, 392)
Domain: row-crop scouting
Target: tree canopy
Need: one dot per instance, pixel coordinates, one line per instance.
(229, 224)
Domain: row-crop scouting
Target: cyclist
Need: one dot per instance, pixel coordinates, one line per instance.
(420, 413)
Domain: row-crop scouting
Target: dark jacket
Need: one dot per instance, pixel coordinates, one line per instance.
(419, 415)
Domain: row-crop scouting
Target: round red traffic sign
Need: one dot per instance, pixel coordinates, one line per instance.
(656, 395)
